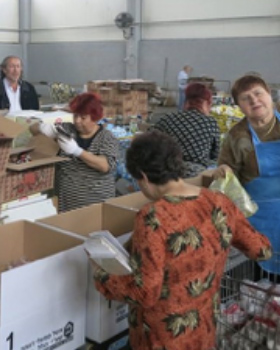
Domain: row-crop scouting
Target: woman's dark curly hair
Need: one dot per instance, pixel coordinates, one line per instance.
(157, 155)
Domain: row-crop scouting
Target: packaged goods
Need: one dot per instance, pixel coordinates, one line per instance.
(226, 116)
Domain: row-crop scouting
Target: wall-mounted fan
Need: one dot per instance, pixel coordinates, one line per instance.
(124, 21)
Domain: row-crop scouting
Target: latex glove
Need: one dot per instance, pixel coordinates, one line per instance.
(48, 130)
(69, 146)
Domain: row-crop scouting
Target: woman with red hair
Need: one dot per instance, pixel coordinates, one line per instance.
(194, 130)
(89, 176)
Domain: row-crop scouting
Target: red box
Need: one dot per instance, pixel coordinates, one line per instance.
(21, 184)
(8, 131)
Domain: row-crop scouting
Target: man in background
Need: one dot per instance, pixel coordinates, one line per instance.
(183, 77)
(16, 94)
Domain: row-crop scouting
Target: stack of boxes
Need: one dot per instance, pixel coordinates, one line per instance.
(207, 81)
(20, 180)
(123, 97)
(43, 274)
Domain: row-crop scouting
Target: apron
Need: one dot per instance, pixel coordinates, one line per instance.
(265, 191)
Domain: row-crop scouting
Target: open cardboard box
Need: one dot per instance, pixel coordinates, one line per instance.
(136, 200)
(42, 302)
(37, 160)
(133, 201)
(8, 131)
(104, 318)
(24, 179)
(29, 117)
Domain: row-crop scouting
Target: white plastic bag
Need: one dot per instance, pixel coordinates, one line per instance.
(233, 189)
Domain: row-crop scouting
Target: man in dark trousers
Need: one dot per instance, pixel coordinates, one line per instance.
(16, 94)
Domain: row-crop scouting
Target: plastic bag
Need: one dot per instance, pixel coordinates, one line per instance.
(233, 189)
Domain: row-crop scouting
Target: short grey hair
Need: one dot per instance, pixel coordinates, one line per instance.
(5, 62)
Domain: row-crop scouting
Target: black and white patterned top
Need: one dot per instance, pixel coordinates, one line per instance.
(197, 134)
(77, 184)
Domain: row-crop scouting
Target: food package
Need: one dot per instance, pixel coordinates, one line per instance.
(254, 296)
(233, 189)
(232, 313)
(226, 116)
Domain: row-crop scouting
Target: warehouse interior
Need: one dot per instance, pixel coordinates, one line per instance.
(61, 44)
(74, 199)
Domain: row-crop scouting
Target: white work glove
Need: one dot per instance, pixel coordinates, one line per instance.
(48, 130)
(69, 146)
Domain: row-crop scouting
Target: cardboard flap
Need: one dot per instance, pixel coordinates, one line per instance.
(132, 201)
(44, 145)
(19, 150)
(38, 160)
(90, 216)
(10, 129)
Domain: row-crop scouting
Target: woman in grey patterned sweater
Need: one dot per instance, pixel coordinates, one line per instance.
(194, 130)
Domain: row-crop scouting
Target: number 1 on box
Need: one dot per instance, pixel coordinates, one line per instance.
(10, 339)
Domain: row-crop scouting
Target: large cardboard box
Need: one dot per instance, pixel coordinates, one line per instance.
(25, 179)
(28, 209)
(104, 318)
(135, 201)
(8, 131)
(29, 117)
(42, 303)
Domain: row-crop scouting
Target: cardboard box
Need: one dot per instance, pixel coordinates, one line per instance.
(105, 318)
(133, 201)
(8, 131)
(28, 178)
(29, 209)
(94, 85)
(22, 201)
(109, 112)
(24, 183)
(136, 200)
(27, 118)
(43, 301)
(118, 342)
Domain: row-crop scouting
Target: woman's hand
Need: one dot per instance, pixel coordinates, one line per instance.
(69, 146)
(221, 171)
(48, 130)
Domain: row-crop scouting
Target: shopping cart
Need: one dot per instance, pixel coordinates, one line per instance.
(250, 307)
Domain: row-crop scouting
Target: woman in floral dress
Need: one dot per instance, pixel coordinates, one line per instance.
(180, 244)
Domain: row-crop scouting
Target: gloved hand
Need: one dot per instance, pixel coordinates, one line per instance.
(48, 130)
(69, 146)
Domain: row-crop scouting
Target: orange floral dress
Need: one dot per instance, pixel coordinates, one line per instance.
(179, 250)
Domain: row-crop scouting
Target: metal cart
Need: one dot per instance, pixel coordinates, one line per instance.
(250, 307)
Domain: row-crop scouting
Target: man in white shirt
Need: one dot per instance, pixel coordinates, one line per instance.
(15, 93)
(183, 77)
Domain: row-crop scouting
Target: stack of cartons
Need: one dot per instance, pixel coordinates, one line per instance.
(21, 180)
(8, 132)
(123, 97)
